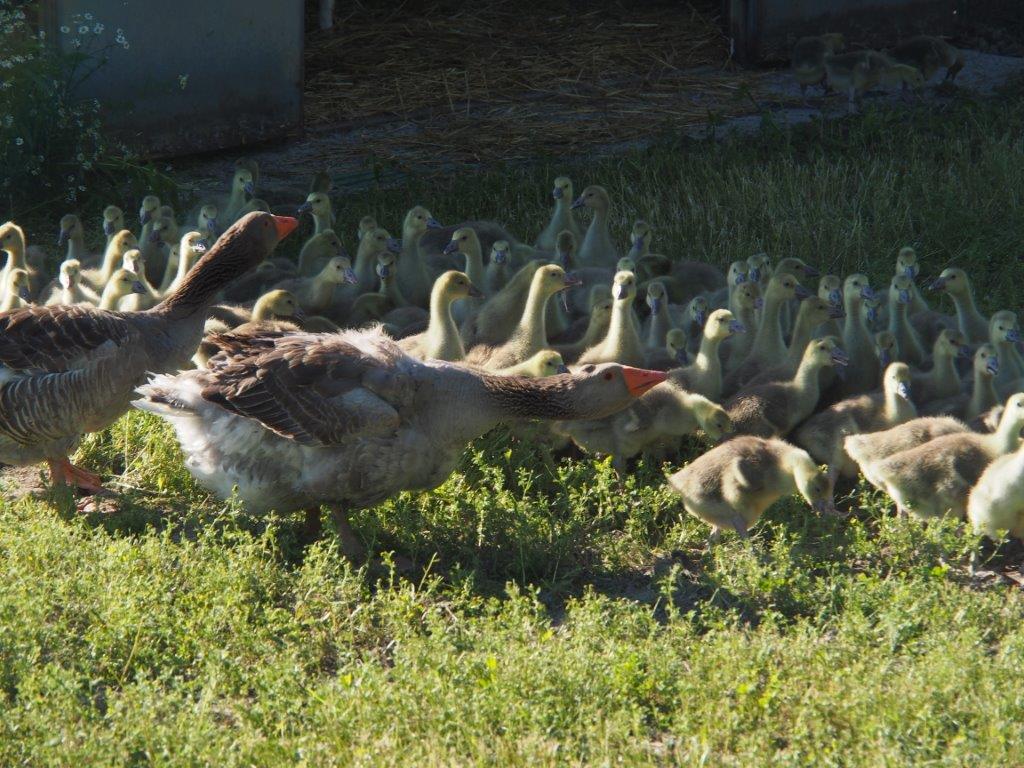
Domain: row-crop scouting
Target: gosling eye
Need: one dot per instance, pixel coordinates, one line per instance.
(588, 369)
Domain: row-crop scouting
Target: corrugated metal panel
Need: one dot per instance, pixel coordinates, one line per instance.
(198, 75)
(767, 29)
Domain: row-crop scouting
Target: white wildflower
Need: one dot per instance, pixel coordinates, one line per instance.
(19, 141)
(65, 29)
(88, 17)
(182, 81)
(98, 29)
(125, 46)
(83, 30)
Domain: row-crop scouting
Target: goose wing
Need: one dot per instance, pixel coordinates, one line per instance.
(59, 338)
(316, 389)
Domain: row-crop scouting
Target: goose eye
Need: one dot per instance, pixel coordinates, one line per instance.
(608, 376)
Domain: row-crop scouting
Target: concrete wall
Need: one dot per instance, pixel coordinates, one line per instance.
(765, 30)
(198, 75)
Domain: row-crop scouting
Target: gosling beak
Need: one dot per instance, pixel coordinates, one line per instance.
(577, 203)
(500, 257)
(682, 358)
(636, 249)
(433, 223)
(811, 271)
(836, 297)
(563, 368)
(884, 357)
(911, 271)
(755, 275)
(250, 188)
(801, 292)
(383, 271)
(903, 390)
(211, 224)
(639, 380)
(304, 208)
(992, 366)
(836, 312)
(872, 314)
(572, 280)
(299, 315)
(138, 287)
(108, 228)
(938, 284)
(145, 216)
(62, 237)
(735, 326)
(1013, 336)
(963, 351)
(825, 507)
(350, 276)
(557, 193)
(154, 236)
(758, 303)
(25, 294)
(867, 292)
(904, 297)
(394, 245)
(285, 226)
(200, 246)
(839, 357)
(452, 247)
(655, 305)
(740, 279)
(474, 292)
(563, 257)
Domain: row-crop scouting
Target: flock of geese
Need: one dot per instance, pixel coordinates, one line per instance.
(339, 381)
(820, 60)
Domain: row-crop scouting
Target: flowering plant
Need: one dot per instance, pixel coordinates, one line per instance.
(50, 137)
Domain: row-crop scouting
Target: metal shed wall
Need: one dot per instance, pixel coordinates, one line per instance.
(197, 75)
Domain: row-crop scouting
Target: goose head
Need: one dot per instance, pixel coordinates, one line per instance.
(986, 361)
(453, 285)
(639, 240)
(722, 324)
(326, 244)
(113, 220)
(162, 231)
(901, 290)
(18, 284)
(134, 262)
(599, 293)
(70, 272)
(464, 241)
(784, 288)
(713, 419)
(366, 224)
(675, 346)
(12, 238)
(318, 204)
(193, 245)
(697, 311)
(814, 484)
(501, 252)
(656, 296)
(738, 273)
(123, 241)
(374, 242)
(207, 223)
(338, 270)
(857, 289)
(243, 183)
(896, 380)
(759, 267)
(385, 268)
(953, 281)
(552, 279)
(830, 288)
(949, 344)
(818, 311)
(593, 197)
(748, 296)
(903, 74)
(417, 221)
(886, 349)
(150, 205)
(906, 262)
(1003, 327)
(825, 353)
(565, 248)
(562, 188)
(122, 283)
(280, 303)
(547, 362)
(70, 227)
(624, 287)
(834, 41)
(798, 268)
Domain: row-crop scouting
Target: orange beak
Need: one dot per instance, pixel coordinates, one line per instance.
(285, 226)
(639, 380)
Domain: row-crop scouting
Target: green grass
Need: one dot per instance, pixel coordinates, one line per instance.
(555, 616)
